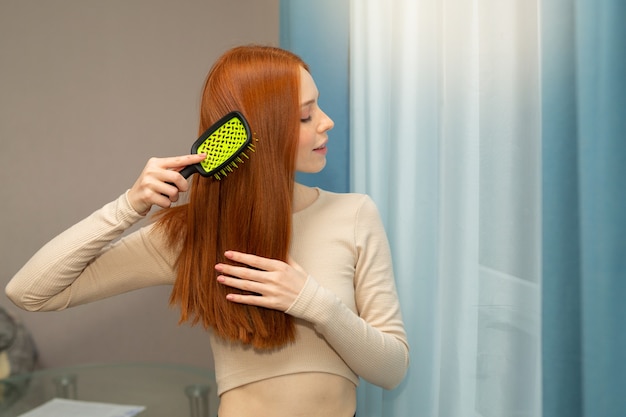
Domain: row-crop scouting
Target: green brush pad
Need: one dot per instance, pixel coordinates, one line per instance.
(223, 143)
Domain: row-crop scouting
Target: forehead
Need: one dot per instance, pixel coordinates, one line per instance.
(308, 89)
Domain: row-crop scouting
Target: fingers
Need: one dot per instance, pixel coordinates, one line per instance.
(275, 284)
(168, 168)
(254, 261)
(249, 280)
(252, 273)
(259, 294)
(160, 182)
(241, 284)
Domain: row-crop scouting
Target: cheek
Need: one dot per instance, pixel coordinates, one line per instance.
(302, 140)
(304, 148)
(301, 154)
(303, 133)
(307, 136)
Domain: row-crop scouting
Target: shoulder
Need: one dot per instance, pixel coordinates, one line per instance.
(344, 200)
(361, 206)
(340, 210)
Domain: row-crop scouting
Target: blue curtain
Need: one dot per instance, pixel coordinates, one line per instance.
(318, 32)
(583, 245)
(584, 208)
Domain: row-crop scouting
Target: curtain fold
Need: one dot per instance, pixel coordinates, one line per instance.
(584, 208)
(445, 138)
(491, 136)
(385, 167)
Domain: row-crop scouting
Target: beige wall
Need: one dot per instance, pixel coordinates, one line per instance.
(89, 90)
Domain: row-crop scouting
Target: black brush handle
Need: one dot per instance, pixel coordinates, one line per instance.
(186, 173)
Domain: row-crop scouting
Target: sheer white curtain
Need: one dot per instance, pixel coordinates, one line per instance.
(445, 136)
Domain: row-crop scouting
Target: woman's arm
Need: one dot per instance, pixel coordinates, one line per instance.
(375, 349)
(373, 342)
(81, 265)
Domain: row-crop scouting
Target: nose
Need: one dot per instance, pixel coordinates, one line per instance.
(326, 123)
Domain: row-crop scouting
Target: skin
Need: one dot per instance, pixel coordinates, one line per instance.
(160, 183)
(314, 127)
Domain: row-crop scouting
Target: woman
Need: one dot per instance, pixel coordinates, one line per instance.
(294, 284)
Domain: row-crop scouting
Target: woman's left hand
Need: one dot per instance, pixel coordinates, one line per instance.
(277, 283)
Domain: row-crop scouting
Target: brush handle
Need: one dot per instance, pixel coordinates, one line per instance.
(188, 170)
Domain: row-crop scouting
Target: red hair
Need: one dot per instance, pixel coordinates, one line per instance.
(250, 210)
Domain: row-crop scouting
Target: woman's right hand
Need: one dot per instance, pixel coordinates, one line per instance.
(160, 182)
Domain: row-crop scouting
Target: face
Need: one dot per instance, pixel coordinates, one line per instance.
(314, 126)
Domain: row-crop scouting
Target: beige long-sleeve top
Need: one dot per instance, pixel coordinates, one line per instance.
(347, 315)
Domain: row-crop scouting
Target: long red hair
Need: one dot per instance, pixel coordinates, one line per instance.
(249, 210)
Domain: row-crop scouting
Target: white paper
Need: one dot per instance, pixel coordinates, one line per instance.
(58, 407)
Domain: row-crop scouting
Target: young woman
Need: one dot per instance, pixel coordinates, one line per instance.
(294, 284)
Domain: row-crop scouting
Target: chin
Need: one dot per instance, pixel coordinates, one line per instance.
(312, 168)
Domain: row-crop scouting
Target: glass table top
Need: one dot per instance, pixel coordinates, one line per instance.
(164, 389)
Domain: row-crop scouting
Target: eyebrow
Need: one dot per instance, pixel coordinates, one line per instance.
(309, 102)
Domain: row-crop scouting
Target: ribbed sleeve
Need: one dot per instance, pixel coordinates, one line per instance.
(376, 356)
(80, 265)
(371, 340)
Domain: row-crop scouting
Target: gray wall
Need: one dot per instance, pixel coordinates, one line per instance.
(89, 90)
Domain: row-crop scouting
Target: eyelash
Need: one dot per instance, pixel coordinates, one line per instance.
(308, 119)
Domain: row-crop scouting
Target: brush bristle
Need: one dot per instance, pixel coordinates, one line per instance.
(233, 165)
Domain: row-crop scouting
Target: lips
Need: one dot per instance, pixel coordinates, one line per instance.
(322, 150)
(321, 147)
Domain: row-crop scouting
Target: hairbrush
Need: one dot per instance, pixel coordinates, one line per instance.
(224, 143)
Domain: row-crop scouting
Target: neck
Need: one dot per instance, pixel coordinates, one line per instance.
(303, 197)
